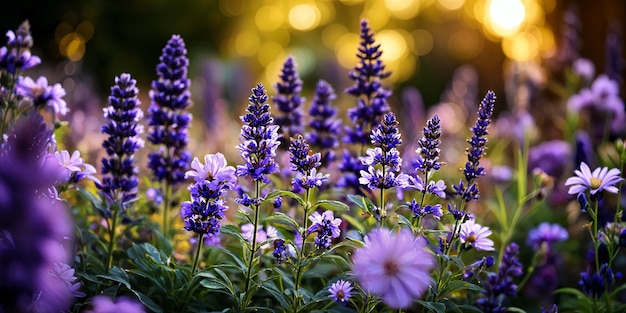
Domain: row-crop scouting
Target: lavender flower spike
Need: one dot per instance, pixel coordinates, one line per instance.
(288, 101)
(469, 190)
(259, 138)
(324, 124)
(168, 120)
(16, 54)
(305, 164)
(119, 181)
(428, 150)
(501, 284)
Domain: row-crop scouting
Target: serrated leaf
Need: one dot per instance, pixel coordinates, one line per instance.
(333, 205)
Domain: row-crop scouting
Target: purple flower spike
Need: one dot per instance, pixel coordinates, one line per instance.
(548, 233)
(469, 190)
(340, 291)
(259, 138)
(601, 179)
(428, 150)
(501, 285)
(119, 181)
(168, 120)
(305, 164)
(394, 266)
(288, 101)
(16, 54)
(325, 126)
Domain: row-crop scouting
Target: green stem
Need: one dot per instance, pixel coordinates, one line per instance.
(197, 258)
(111, 245)
(299, 267)
(253, 248)
(167, 201)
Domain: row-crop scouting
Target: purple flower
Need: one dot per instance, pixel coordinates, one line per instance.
(261, 235)
(428, 150)
(119, 181)
(371, 96)
(326, 226)
(42, 95)
(288, 101)
(259, 138)
(584, 68)
(469, 190)
(65, 273)
(206, 208)
(168, 120)
(280, 250)
(500, 285)
(548, 233)
(597, 181)
(476, 267)
(599, 102)
(325, 126)
(595, 284)
(16, 54)
(419, 211)
(340, 291)
(305, 163)
(394, 266)
(550, 156)
(104, 304)
(476, 236)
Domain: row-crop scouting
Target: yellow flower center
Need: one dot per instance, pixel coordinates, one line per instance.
(471, 238)
(595, 182)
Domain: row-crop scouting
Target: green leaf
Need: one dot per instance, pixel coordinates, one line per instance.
(118, 275)
(433, 306)
(362, 202)
(460, 285)
(469, 308)
(354, 222)
(151, 305)
(281, 218)
(232, 230)
(284, 193)
(514, 309)
(240, 264)
(276, 293)
(333, 205)
(572, 291)
(403, 220)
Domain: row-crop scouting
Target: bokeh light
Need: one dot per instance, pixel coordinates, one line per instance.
(304, 16)
(505, 17)
(451, 4)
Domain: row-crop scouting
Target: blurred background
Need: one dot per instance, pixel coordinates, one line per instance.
(233, 44)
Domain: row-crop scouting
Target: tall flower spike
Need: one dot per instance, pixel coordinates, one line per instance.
(428, 158)
(16, 54)
(119, 181)
(325, 127)
(468, 190)
(501, 285)
(305, 164)
(168, 120)
(288, 101)
(371, 96)
(259, 138)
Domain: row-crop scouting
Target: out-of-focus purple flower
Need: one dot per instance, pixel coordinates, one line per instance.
(595, 284)
(16, 54)
(278, 202)
(262, 236)
(584, 68)
(119, 181)
(325, 126)
(601, 179)
(550, 156)
(600, 102)
(350, 168)
(569, 44)
(288, 101)
(31, 228)
(104, 304)
(548, 233)
(168, 121)
(584, 148)
(476, 236)
(326, 226)
(65, 273)
(340, 291)
(553, 309)
(469, 190)
(154, 195)
(614, 60)
(206, 208)
(305, 164)
(42, 95)
(259, 138)
(500, 285)
(394, 266)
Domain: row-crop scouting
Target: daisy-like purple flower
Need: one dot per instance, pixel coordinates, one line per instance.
(548, 233)
(215, 168)
(326, 226)
(65, 273)
(601, 179)
(476, 236)
(394, 266)
(340, 291)
(16, 54)
(42, 95)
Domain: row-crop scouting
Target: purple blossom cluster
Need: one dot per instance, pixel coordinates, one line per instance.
(168, 119)
(324, 125)
(601, 101)
(500, 285)
(119, 181)
(16, 55)
(468, 190)
(327, 228)
(259, 138)
(212, 180)
(305, 164)
(288, 101)
(42, 95)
